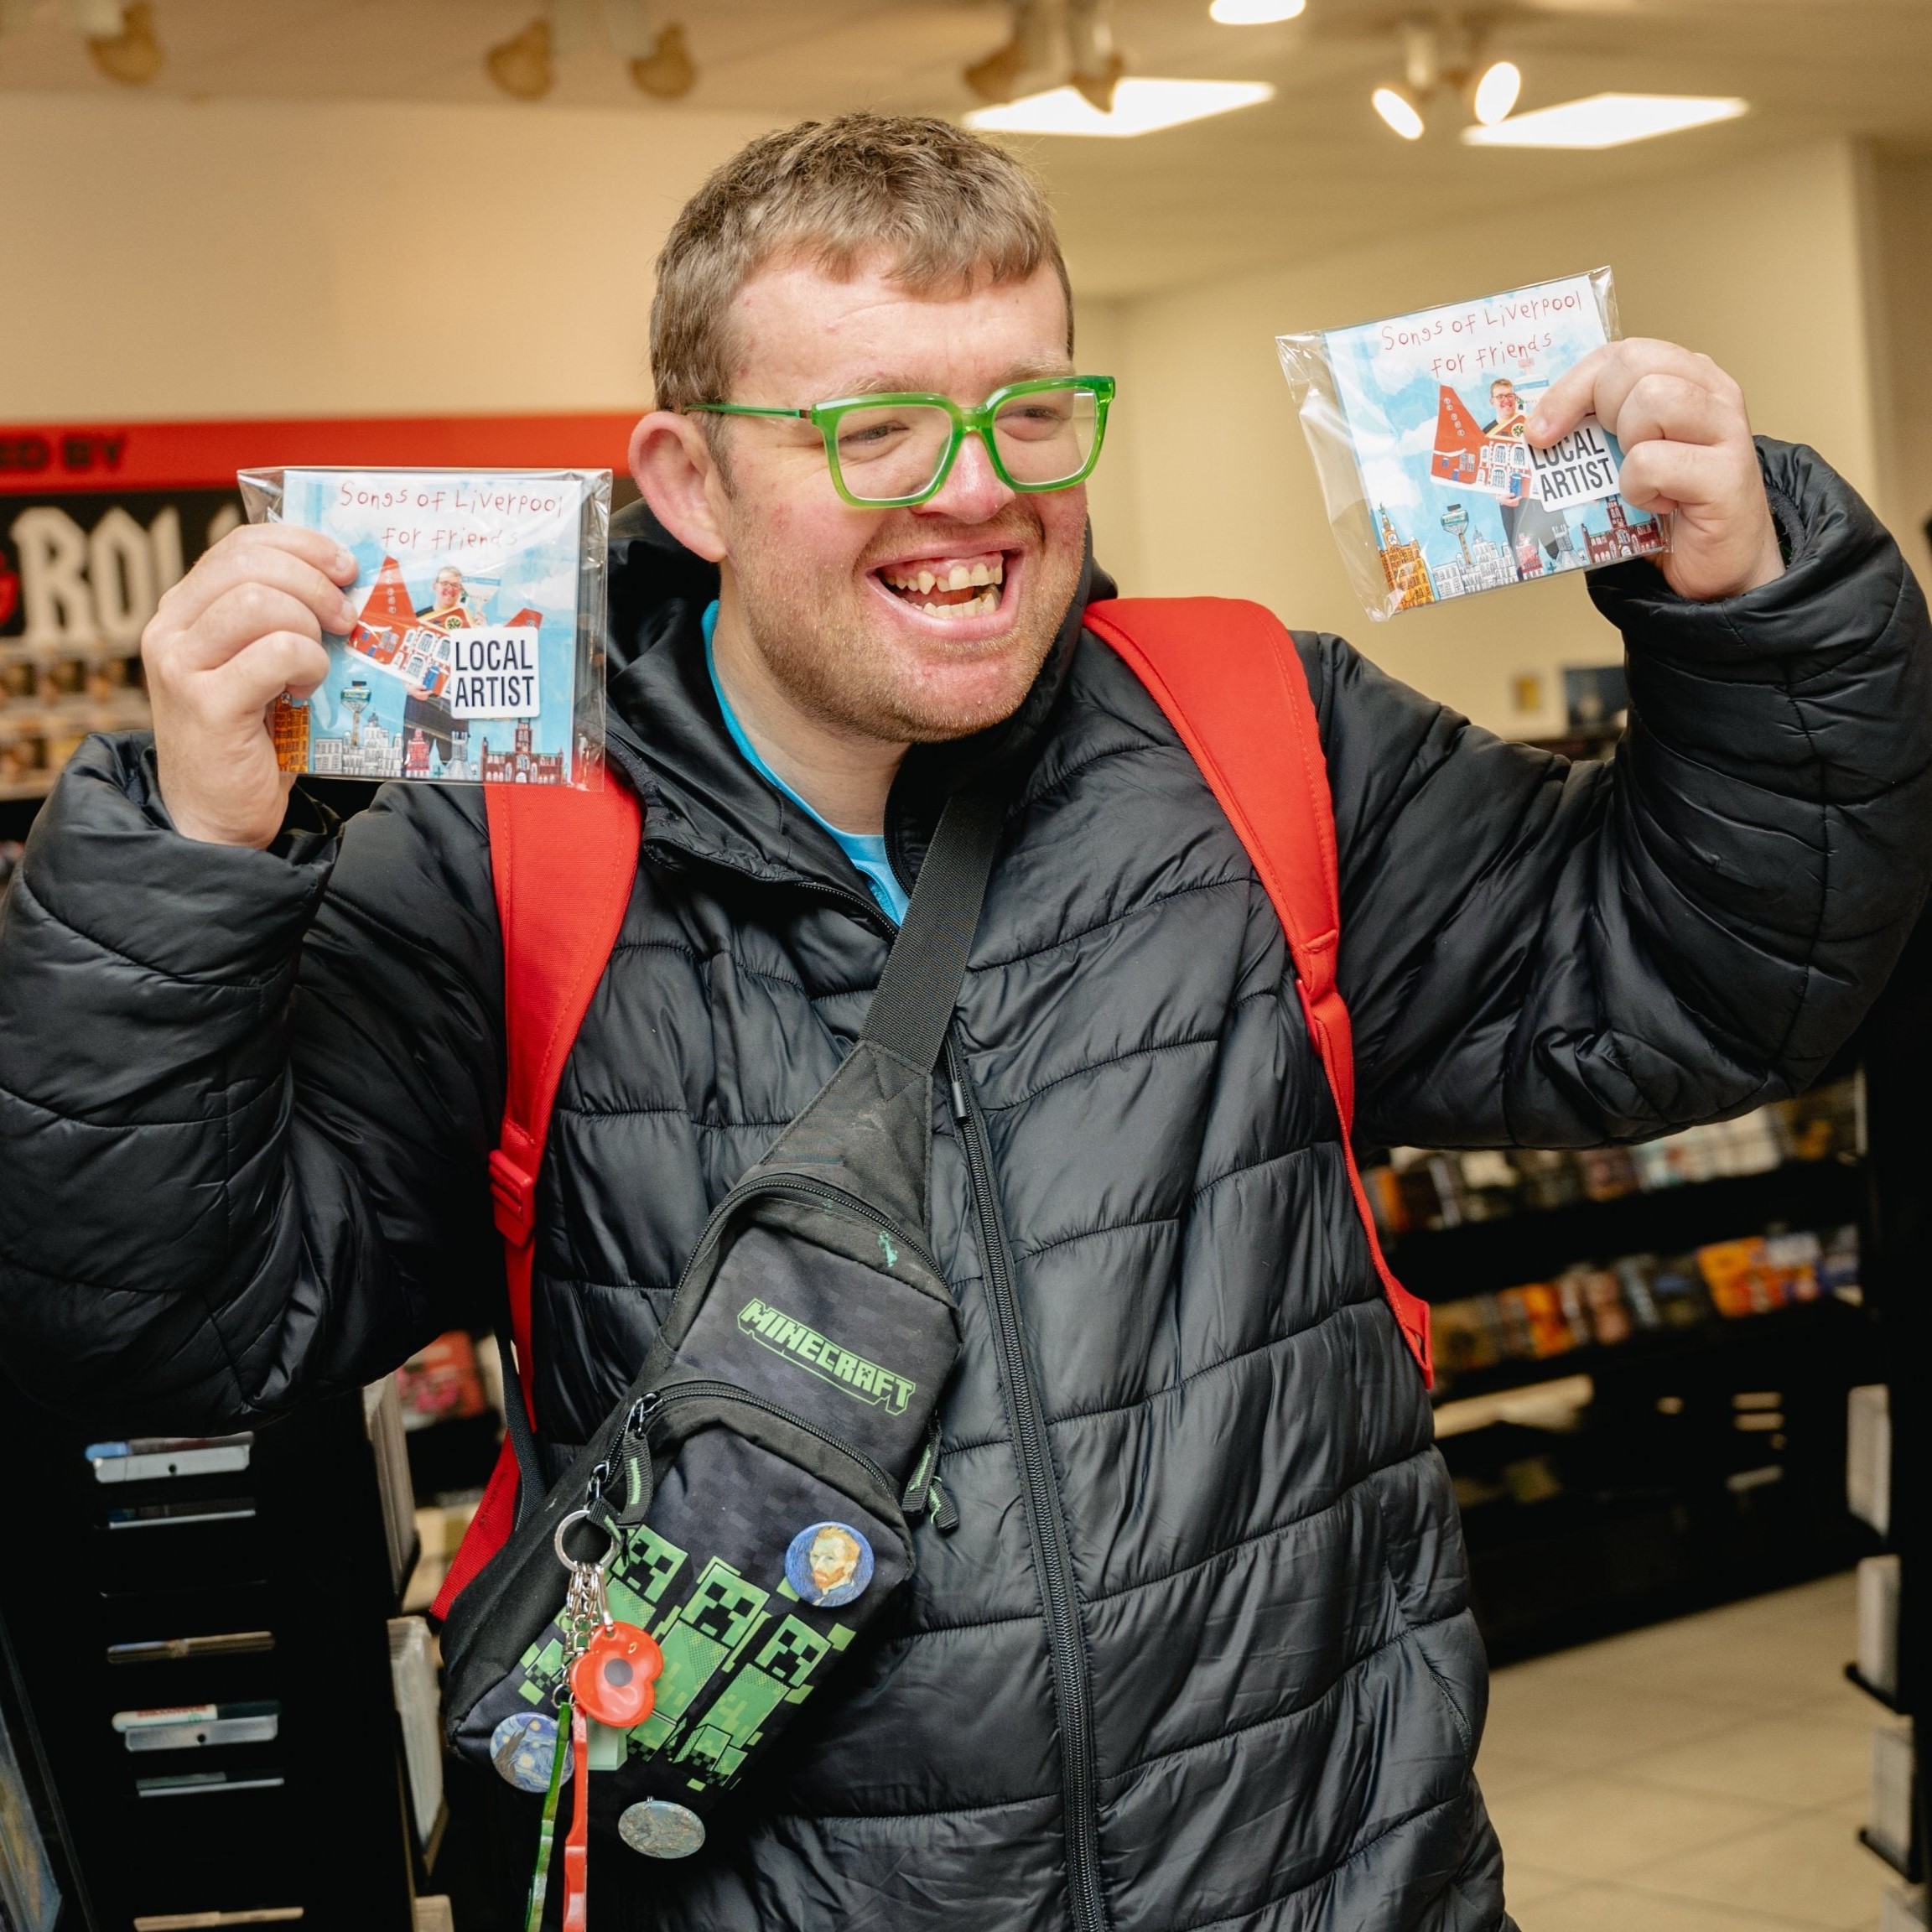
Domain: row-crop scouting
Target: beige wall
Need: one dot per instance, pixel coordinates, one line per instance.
(1900, 231)
(1211, 487)
(167, 258)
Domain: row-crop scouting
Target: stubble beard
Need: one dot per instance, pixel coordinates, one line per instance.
(805, 633)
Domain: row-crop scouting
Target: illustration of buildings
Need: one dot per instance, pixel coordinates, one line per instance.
(1623, 539)
(456, 763)
(416, 756)
(1403, 564)
(1486, 566)
(291, 729)
(369, 753)
(356, 702)
(522, 765)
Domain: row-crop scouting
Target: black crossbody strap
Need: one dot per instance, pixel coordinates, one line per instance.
(913, 1006)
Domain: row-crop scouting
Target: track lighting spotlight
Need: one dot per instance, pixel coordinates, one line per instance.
(1398, 111)
(1495, 93)
(667, 72)
(131, 54)
(520, 66)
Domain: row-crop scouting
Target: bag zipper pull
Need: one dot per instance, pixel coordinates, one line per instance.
(924, 1493)
(945, 1516)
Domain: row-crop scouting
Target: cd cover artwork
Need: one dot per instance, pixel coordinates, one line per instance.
(479, 605)
(1417, 424)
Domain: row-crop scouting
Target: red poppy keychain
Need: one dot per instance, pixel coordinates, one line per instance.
(611, 1676)
(615, 1680)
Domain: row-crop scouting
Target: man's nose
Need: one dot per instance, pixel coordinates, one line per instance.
(972, 492)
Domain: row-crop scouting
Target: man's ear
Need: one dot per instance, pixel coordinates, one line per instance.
(678, 475)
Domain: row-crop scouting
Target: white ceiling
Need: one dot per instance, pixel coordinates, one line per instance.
(1312, 170)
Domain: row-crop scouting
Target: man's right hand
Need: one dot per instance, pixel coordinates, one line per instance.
(244, 625)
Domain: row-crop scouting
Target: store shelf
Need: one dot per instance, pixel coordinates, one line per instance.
(1853, 1676)
(1826, 1319)
(1444, 1263)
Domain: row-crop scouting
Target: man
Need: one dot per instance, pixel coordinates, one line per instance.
(447, 611)
(1198, 1653)
(1508, 418)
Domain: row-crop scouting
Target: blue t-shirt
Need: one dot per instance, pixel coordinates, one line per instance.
(865, 849)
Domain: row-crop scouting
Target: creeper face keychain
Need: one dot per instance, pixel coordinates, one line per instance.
(611, 1672)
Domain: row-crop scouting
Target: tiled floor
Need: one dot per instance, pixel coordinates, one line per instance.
(1704, 1776)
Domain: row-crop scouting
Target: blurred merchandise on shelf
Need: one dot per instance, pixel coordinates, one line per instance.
(30, 1897)
(441, 1383)
(1419, 1189)
(1868, 1456)
(1888, 1810)
(440, 1527)
(1904, 1910)
(1605, 1307)
(413, 1664)
(383, 1418)
(1877, 1663)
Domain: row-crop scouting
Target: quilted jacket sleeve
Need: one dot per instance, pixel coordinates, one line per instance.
(242, 1153)
(1542, 954)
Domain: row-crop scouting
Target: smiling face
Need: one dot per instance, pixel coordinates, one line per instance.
(904, 626)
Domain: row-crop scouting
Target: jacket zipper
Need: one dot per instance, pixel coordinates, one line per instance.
(1053, 1556)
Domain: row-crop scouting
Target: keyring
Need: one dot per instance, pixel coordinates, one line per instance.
(569, 1523)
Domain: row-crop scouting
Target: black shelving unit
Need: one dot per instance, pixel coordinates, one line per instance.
(1899, 1220)
(287, 1559)
(1708, 1462)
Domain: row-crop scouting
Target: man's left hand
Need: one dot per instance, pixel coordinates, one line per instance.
(1687, 447)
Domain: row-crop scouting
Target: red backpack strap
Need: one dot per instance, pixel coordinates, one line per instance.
(1227, 675)
(563, 862)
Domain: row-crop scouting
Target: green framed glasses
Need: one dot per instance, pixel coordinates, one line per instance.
(893, 451)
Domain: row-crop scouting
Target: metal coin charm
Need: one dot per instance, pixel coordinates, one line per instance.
(523, 1747)
(829, 1564)
(614, 1681)
(661, 1830)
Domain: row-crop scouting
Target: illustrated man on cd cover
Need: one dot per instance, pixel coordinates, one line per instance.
(445, 611)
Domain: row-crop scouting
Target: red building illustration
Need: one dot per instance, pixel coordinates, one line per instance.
(521, 764)
(1623, 539)
(416, 758)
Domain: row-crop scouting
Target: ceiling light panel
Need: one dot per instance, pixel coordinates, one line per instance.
(1607, 121)
(1140, 106)
(1254, 12)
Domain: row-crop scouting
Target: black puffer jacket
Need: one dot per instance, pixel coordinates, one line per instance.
(1212, 1667)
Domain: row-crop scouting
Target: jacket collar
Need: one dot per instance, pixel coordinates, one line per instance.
(702, 801)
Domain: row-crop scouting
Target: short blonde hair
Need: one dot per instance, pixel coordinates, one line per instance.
(951, 209)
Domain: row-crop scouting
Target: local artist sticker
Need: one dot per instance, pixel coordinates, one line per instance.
(1578, 468)
(523, 1748)
(494, 673)
(829, 1564)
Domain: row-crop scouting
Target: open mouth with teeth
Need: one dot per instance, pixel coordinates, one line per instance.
(948, 586)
